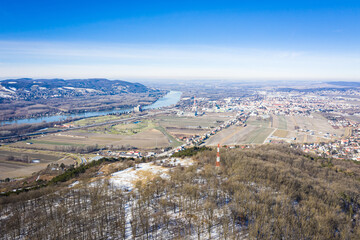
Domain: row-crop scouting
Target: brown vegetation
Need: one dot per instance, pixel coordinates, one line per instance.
(267, 192)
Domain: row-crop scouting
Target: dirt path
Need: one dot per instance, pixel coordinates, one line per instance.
(266, 139)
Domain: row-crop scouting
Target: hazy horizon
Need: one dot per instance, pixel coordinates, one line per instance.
(231, 40)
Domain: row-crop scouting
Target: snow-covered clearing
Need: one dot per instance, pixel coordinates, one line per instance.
(74, 184)
(126, 179)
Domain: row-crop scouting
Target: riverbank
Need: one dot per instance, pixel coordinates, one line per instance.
(168, 99)
(26, 130)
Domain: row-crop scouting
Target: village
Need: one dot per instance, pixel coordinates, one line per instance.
(345, 148)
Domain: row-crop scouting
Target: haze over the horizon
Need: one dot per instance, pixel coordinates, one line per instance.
(262, 40)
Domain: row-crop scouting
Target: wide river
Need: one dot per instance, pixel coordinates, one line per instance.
(169, 99)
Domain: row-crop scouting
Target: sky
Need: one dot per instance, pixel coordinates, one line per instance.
(180, 40)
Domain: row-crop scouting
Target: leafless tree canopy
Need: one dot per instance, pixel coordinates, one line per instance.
(269, 192)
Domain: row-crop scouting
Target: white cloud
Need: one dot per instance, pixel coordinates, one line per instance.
(83, 60)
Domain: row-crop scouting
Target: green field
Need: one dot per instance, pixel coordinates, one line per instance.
(173, 141)
(99, 119)
(186, 122)
(133, 128)
(258, 136)
(54, 143)
(122, 128)
(260, 133)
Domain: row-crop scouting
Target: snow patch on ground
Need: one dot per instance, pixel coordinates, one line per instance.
(127, 178)
(4, 217)
(4, 95)
(8, 90)
(74, 184)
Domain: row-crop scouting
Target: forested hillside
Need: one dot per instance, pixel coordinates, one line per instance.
(29, 89)
(267, 192)
(26, 97)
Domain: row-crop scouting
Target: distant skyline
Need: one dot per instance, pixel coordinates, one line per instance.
(180, 40)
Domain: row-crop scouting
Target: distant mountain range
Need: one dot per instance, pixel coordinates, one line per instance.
(29, 89)
(327, 86)
(345, 84)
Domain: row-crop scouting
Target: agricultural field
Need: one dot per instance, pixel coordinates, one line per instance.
(133, 128)
(256, 132)
(99, 119)
(140, 134)
(230, 136)
(301, 129)
(348, 132)
(144, 140)
(280, 133)
(125, 128)
(156, 132)
(261, 130)
(180, 126)
(144, 134)
(258, 136)
(298, 129)
(17, 162)
(172, 140)
(282, 121)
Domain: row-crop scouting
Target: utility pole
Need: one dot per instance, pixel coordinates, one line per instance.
(218, 156)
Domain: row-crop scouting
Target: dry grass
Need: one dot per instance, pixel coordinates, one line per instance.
(145, 139)
(146, 175)
(16, 169)
(280, 133)
(111, 168)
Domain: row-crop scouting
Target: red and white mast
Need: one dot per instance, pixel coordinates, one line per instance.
(218, 156)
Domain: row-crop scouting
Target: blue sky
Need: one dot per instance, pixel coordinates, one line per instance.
(183, 40)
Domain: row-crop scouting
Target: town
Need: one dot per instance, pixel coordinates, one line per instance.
(324, 122)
